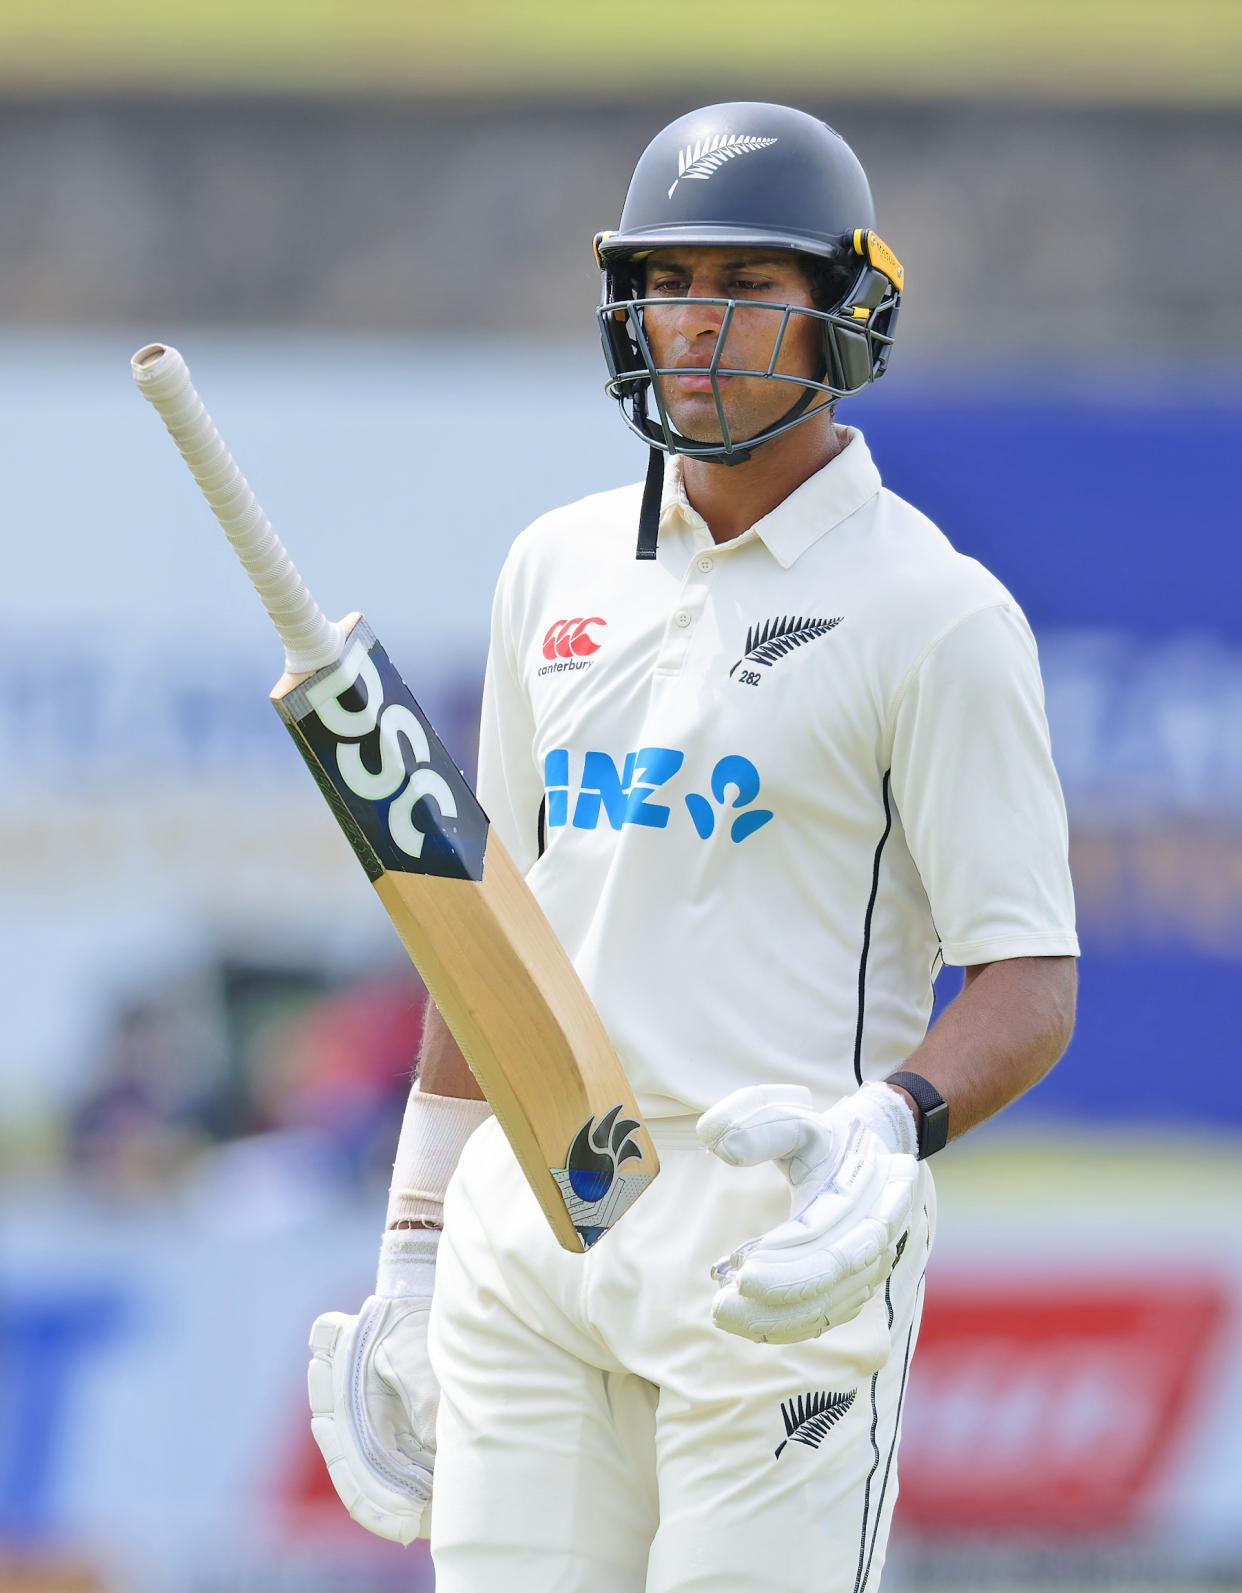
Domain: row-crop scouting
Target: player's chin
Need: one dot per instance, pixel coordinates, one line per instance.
(697, 418)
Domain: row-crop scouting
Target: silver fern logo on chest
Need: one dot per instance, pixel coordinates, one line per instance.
(769, 641)
(701, 160)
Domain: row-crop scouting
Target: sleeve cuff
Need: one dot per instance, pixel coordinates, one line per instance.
(998, 948)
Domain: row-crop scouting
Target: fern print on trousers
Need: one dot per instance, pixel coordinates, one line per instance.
(809, 1418)
(775, 637)
(701, 160)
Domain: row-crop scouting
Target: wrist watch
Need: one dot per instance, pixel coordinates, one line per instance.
(933, 1111)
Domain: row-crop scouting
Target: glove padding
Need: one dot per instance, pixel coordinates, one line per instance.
(373, 1401)
(851, 1197)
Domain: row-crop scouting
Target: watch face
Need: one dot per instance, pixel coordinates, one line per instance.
(933, 1128)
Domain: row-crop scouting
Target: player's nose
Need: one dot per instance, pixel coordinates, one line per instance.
(700, 314)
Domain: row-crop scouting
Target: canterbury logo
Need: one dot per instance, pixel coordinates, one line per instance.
(810, 1417)
(701, 160)
(775, 637)
(570, 638)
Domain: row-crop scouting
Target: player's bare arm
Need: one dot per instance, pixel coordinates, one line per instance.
(998, 1037)
(442, 1069)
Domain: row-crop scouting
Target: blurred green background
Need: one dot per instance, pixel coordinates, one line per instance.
(1099, 50)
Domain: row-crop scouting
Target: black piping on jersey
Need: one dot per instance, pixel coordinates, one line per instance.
(888, 1465)
(875, 1450)
(866, 939)
(866, 1554)
(542, 824)
(859, 1575)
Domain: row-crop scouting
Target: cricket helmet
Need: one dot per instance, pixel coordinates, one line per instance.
(754, 175)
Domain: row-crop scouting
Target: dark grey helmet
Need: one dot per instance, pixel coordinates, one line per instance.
(744, 173)
(759, 176)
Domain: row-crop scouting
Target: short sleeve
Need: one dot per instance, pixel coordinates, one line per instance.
(510, 787)
(974, 783)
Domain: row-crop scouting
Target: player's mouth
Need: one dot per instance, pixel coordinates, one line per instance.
(698, 378)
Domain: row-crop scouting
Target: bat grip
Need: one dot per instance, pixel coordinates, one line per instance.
(311, 640)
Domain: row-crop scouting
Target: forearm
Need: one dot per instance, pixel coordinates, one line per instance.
(999, 1036)
(444, 1109)
(442, 1069)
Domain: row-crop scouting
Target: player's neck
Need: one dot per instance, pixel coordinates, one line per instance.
(731, 498)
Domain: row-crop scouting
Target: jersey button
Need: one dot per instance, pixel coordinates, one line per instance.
(705, 564)
(682, 618)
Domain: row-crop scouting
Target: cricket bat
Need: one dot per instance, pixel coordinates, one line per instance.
(487, 954)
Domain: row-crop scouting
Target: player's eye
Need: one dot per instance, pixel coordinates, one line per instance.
(750, 284)
(669, 285)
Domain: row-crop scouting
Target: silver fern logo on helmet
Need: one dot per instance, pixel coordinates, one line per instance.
(699, 161)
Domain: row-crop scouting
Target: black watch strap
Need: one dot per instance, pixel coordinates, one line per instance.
(933, 1111)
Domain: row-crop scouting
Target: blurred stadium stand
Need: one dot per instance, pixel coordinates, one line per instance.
(1052, 234)
(356, 221)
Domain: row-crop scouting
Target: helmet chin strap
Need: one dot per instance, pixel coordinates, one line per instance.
(649, 514)
(653, 487)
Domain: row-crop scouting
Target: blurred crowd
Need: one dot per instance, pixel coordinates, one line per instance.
(251, 1076)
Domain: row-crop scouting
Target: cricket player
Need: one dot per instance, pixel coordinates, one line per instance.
(770, 752)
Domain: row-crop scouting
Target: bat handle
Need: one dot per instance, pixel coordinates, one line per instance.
(311, 640)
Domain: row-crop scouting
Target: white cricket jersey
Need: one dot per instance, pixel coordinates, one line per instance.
(763, 788)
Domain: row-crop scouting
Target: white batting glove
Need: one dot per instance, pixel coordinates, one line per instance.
(852, 1172)
(373, 1396)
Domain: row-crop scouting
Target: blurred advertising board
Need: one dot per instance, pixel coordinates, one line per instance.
(153, 1433)
(1077, 1388)
(1056, 1405)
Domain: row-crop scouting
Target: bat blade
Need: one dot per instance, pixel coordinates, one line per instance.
(491, 961)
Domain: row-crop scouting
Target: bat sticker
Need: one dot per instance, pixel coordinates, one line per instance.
(596, 1192)
(397, 794)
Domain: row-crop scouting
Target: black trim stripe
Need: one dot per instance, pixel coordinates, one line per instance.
(543, 824)
(866, 944)
(875, 1465)
(892, 1449)
(865, 1555)
(860, 1575)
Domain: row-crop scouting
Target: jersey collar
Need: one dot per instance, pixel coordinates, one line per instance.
(822, 502)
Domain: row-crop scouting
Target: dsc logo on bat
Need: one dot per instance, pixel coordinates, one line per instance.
(406, 804)
(395, 722)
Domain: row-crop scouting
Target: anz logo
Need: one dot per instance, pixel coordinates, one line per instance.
(630, 794)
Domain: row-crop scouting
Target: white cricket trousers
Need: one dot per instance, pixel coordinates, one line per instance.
(598, 1434)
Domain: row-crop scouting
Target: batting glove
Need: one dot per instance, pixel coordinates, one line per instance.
(852, 1174)
(373, 1396)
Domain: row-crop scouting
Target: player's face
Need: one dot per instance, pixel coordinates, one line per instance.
(686, 336)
